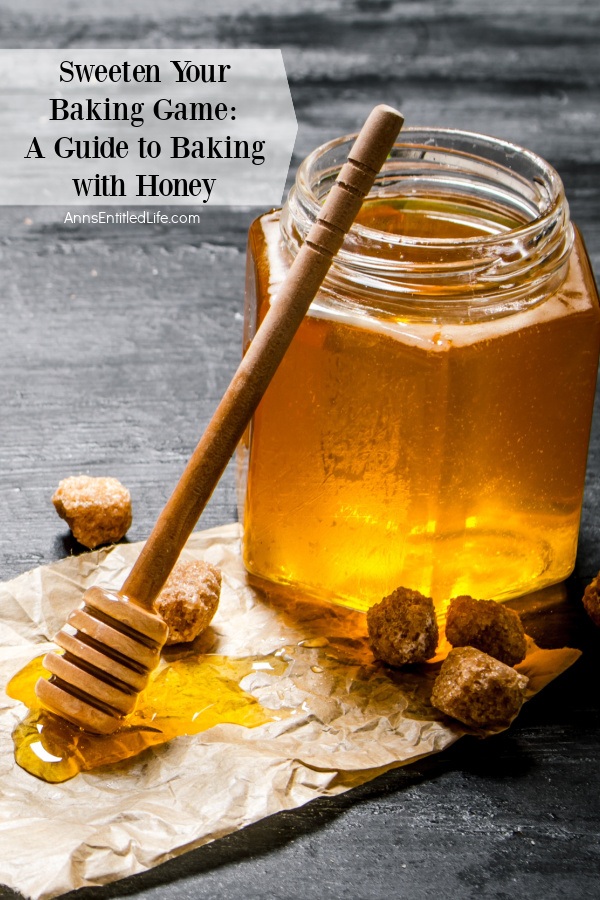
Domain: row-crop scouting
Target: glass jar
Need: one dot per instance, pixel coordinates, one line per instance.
(429, 424)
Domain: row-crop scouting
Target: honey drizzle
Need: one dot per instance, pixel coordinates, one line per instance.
(185, 696)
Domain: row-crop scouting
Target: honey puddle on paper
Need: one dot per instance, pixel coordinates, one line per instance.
(185, 696)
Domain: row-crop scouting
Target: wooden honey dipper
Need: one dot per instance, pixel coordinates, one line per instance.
(113, 642)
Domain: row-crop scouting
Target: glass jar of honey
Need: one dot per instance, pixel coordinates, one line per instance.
(429, 424)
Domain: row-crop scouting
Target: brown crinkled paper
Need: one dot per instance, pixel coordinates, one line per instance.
(347, 720)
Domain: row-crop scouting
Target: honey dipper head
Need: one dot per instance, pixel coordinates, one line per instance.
(111, 645)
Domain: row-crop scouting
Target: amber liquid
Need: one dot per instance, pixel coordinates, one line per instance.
(447, 458)
(185, 696)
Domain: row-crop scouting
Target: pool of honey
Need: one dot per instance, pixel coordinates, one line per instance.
(185, 696)
(449, 459)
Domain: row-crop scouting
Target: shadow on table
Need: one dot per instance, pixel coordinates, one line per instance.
(67, 545)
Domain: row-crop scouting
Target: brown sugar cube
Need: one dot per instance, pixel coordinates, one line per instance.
(488, 626)
(477, 689)
(591, 600)
(403, 628)
(189, 600)
(97, 510)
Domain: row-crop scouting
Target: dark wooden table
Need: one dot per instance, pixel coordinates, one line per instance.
(116, 343)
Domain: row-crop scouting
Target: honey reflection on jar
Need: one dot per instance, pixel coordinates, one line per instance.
(429, 424)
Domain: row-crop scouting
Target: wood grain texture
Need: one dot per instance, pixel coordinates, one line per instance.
(117, 342)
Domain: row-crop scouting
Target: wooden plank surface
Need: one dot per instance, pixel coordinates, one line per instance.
(116, 343)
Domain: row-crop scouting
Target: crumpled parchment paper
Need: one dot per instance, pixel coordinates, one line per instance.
(347, 720)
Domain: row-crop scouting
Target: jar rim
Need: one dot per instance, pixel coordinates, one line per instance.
(509, 196)
(546, 174)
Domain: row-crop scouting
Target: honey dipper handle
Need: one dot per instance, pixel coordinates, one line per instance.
(263, 356)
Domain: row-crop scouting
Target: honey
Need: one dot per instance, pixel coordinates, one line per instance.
(429, 424)
(185, 696)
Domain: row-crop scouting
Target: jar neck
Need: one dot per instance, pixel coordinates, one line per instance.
(458, 226)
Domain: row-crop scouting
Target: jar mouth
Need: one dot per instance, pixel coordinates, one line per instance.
(497, 227)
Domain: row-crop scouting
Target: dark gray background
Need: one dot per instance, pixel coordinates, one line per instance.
(116, 343)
